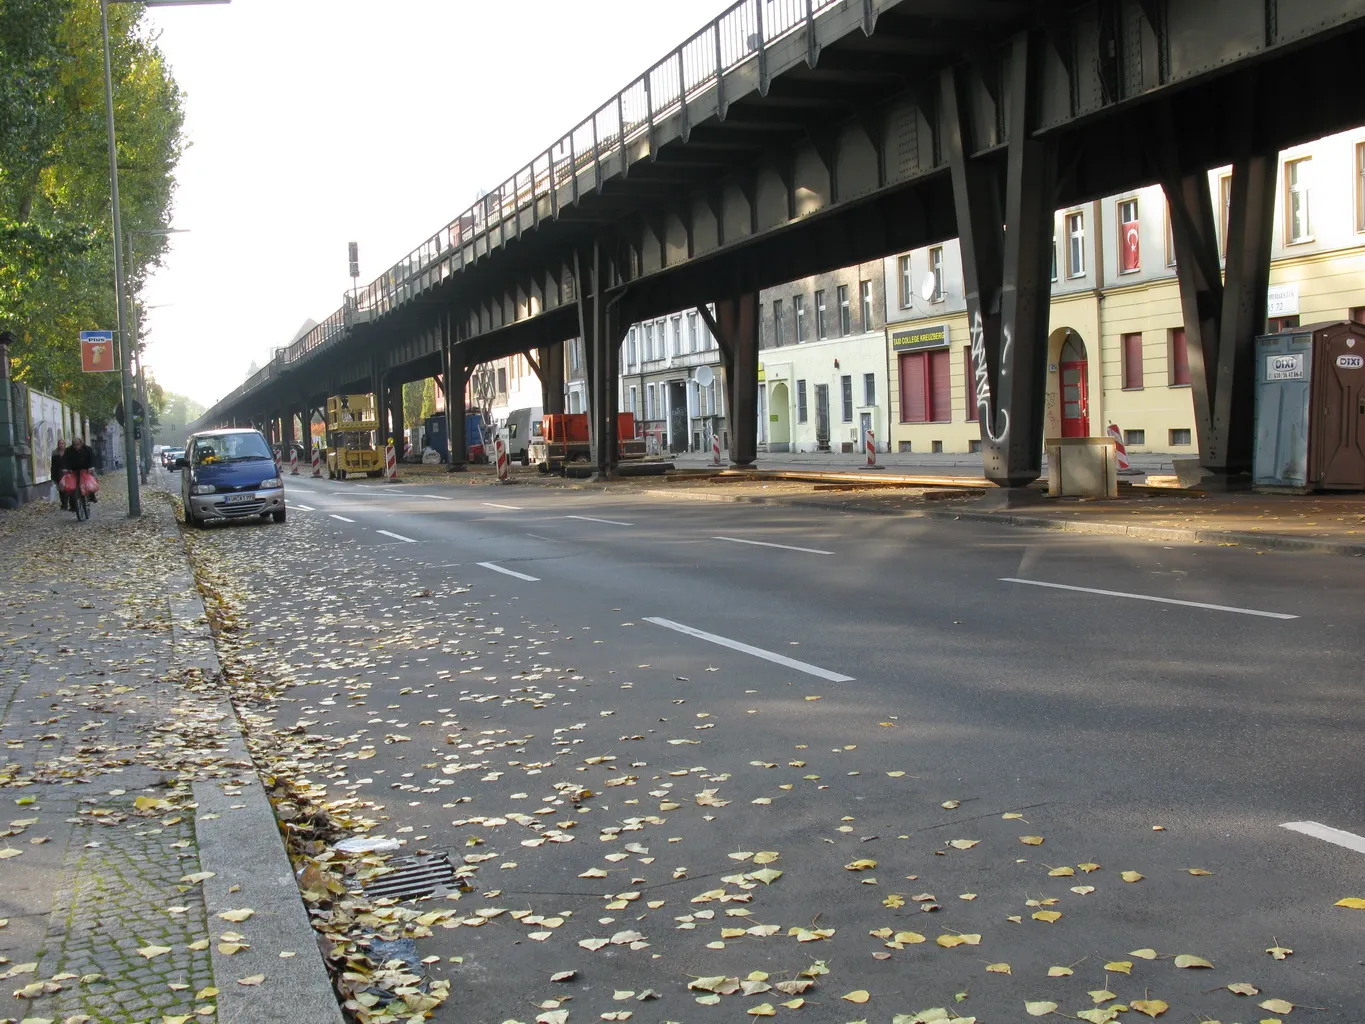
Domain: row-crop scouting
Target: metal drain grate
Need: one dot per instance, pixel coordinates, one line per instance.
(414, 877)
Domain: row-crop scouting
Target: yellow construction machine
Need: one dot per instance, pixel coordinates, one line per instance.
(351, 426)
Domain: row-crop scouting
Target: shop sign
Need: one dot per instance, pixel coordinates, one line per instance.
(914, 339)
(1284, 367)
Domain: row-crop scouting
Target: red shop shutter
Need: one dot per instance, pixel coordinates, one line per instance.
(1180, 357)
(941, 392)
(1132, 360)
(913, 396)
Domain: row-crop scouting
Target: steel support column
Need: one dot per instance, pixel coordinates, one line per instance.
(396, 414)
(1006, 256)
(456, 383)
(736, 328)
(552, 379)
(286, 438)
(600, 320)
(1223, 316)
(381, 405)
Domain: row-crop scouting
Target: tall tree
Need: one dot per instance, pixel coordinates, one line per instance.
(56, 225)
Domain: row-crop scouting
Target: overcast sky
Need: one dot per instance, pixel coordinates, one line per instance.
(314, 123)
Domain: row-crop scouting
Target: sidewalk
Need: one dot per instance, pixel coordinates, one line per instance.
(946, 464)
(131, 815)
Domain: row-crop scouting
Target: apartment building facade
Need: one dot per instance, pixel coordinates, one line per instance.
(673, 380)
(822, 363)
(1116, 345)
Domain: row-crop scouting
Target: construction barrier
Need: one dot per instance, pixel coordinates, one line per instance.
(715, 449)
(390, 462)
(500, 449)
(293, 461)
(871, 448)
(1120, 452)
(317, 460)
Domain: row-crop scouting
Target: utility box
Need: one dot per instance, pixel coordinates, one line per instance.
(1310, 409)
(1082, 467)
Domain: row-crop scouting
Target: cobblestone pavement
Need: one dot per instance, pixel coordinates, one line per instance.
(104, 726)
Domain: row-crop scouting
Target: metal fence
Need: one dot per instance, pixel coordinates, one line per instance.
(740, 34)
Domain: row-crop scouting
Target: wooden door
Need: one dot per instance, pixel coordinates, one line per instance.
(1075, 400)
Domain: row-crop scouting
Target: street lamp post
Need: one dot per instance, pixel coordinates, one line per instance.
(125, 349)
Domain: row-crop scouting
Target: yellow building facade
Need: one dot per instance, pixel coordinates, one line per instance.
(1116, 342)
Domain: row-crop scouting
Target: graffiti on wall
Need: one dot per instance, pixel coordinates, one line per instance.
(985, 411)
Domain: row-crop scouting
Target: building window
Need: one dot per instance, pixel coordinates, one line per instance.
(865, 293)
(635, 401)
(1130, 238)
(1054, 252)
(632, 352)
(573, 354)
(1180, 359)
(799, 309)
(649, 401)
(1180, 437)
(692, 332)
(777, 323)
(1075, 256)
(1360, 186)
(1281, 323)
(846, 397)
(677, 335)
(1132, 362)
(936, 268)
(926, 395)
(1134, 437)
(1358, 314)
(649, 342)
(800, 401)
(974, 446)
(907, 286)
(845, 313)
(502, 380)
(821, 313)
(869, 389)
(1299, 227)
(1170, 240)
(1224, 212)
(969, 413)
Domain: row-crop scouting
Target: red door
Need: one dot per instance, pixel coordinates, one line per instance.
(1075, 400)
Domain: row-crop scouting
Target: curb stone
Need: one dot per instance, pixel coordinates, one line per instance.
(1175, 534)
(239, 840)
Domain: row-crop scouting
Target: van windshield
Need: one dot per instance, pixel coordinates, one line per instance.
(230, 448)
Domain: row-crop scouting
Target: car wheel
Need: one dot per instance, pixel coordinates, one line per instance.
(278, 516)
(189, 515)
(374, 473)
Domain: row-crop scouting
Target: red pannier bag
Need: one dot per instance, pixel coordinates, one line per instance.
(66, 483)
(89, 485)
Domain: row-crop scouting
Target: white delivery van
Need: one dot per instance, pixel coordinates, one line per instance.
(522, 429)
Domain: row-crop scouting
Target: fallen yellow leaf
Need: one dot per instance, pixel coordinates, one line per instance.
(1151, 1007)
(1040, 1008)
(237, 916)
(1131, 876)
(1144, 954)
(860, 865)
(1351, 902)
(1186, 960)
(1277, 1006)
(1031, 840)
(1120, 966)
(1242, 988)
(254, 979)
(998, 968)
(153, 951)
(1279, 952)
(859, 995)
(762, 1010)
(1060, 972)
(963, 844)
(1048, 916)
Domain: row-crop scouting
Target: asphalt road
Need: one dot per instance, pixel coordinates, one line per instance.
(834, 689)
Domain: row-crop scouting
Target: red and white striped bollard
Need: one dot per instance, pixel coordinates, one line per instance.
(293, 461)
(1120, 452)
(317, 460)
(715, 449)
(871, 448)
(390, 462)
(500, 455)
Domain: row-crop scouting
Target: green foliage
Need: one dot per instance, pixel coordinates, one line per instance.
(56, 226)
(419, 401)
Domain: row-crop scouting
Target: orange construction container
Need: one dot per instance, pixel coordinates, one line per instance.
(566, 428)
(625, 426)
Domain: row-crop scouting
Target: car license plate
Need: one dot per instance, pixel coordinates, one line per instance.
(237, 499)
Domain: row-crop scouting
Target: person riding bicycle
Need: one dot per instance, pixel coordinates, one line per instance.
(79, 459)
(57, 469)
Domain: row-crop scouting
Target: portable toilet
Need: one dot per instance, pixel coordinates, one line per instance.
(1310, 408)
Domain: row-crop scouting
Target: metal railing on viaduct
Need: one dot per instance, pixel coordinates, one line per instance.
(794, 137)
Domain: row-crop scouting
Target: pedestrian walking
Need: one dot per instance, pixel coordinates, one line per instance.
(80, 459)
(57, 469)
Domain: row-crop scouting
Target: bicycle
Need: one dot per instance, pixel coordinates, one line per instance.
(80, 504)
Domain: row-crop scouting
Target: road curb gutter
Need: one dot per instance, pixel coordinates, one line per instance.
(239, 841)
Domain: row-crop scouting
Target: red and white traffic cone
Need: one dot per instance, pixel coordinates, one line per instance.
(293, 461)
(390, 462)
(500, 450)
(317, 460)
(715, 449)
(1120, 452)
